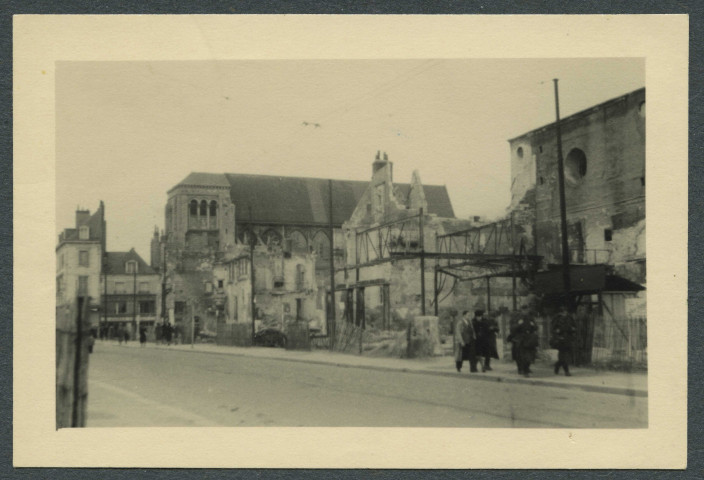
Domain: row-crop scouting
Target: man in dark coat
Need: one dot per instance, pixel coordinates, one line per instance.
(486, 328)
(561, 337)
(524, 337)
(168, 333)
(465, 343)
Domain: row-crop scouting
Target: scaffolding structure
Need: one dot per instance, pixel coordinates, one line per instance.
(493, 248)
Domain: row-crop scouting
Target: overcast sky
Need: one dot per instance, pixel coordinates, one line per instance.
(126, 132)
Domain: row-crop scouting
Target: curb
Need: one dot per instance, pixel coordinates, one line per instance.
(631, 392)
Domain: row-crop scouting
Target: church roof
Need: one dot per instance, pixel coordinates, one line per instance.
(298, 200)
(302, 200)
(115, 263)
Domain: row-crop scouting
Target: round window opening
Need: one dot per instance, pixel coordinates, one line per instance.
(575, 166)
(519, 152)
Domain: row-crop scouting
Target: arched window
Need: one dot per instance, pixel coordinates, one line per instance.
(245, 236)
(321, 245)
(203, 208)
(298, 242)
(575, 166)
(193, 207)
(271, 238)
(213, 208)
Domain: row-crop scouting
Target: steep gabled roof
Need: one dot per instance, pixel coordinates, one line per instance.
(115, 263)
(298, 200)
(200, 179)
(95, 225)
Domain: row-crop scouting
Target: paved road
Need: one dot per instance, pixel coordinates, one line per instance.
(157, 387)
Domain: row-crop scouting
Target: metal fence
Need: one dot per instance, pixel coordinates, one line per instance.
(621, 340)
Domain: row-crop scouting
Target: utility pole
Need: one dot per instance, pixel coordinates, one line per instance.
(134, 298)
(563, 209)
(252, 243)
(331, 321)
(193, 322)
(422, 262)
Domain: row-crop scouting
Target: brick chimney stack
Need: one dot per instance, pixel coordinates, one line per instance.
(81, 217)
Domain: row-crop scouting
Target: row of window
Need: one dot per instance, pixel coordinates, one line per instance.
(82, 285)
(121, 287)
(120, 307)
(203, 208)
(131, 267)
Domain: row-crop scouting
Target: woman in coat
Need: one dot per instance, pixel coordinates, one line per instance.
(465, 343)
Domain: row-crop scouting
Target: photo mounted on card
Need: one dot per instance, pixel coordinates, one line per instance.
(320, 249)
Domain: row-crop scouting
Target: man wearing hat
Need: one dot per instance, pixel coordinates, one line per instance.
(562, 334)
(524, 339)
(465, 343)
(486, 328)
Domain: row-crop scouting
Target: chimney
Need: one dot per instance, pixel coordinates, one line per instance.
(82, 216)
(379, 162)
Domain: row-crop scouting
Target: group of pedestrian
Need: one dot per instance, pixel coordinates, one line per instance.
(164, 333)
(475, 340)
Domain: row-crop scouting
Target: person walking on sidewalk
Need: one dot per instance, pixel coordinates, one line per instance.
(524, 337)
(562, 335)
(465, 343)
(142, 336)
(486, 328)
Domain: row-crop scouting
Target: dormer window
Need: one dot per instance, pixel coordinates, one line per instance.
(83, 232)
(131, 267)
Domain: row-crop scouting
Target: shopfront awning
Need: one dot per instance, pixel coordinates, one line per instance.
(584, 279)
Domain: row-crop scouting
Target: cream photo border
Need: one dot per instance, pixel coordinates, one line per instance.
(40, 41)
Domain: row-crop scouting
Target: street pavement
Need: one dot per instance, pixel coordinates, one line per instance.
(210, 385)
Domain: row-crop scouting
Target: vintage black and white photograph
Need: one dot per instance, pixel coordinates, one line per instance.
(374, 243)
(315, 255)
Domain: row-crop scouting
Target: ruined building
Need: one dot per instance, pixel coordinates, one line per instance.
(390, 245)
(210, 218)
(604, 161)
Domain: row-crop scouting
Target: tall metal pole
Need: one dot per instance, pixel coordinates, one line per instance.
(193, 323)
(488, 293)
(134, 298)
(563, 208)
(422, 263)
(513, 265)
(331, 321)
(252, 243)
(435, 290)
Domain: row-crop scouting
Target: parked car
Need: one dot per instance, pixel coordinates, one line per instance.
(206, 336)
(270, 337)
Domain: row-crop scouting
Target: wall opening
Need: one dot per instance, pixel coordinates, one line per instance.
(519, 152)
(575, 166)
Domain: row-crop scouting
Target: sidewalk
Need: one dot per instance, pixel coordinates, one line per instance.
(586, 379)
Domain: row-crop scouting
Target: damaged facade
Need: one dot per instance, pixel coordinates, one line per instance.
(604, 161)
(212, 220)
(604, 158)
(390, 239)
